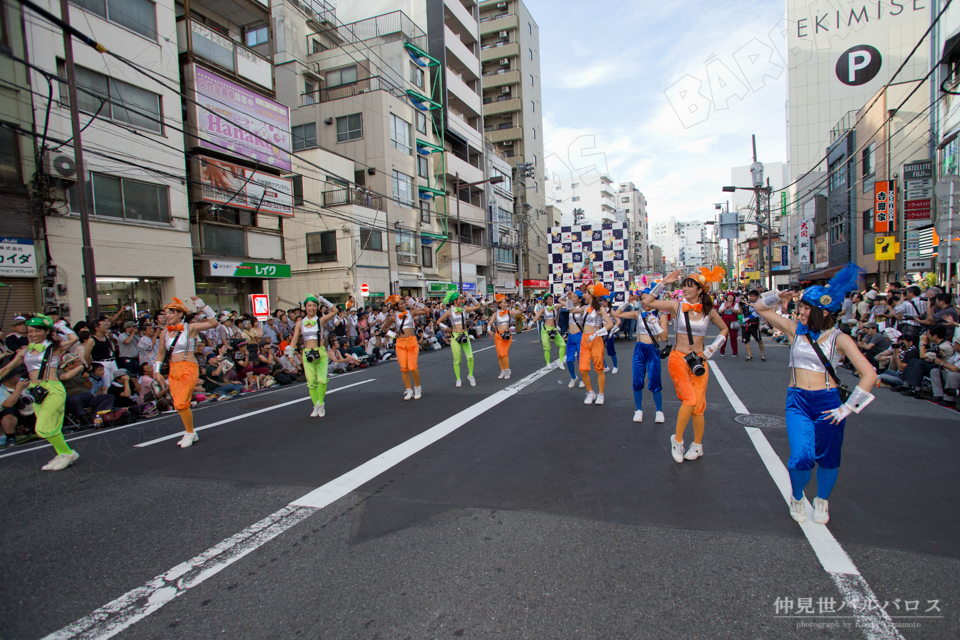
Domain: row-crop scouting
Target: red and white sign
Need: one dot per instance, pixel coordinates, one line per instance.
(803, 240)
(536, 284)
(260, 303)
(364, 289)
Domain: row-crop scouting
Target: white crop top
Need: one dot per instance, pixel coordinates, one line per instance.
(311, 332)
(593, 319)
(697, 327)
(653, 321)
(548, 313)
(183, 343)
(503, 318)
(34, 359)
(404, 321)
(802, 355)
(458, 317)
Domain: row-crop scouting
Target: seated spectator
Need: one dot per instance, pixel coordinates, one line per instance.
(126, 393)
(903, 351)
(920, 367)
(269, 362)
(80, 397)
(340, 362)
(290, 363)
(10, 416)
(213, 381)
(96, 378)
(873, 343)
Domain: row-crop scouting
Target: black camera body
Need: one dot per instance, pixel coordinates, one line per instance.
(506, 335)
(311, 355)
(35, 394)
(462, 338)
(695, 363)
(552, 332)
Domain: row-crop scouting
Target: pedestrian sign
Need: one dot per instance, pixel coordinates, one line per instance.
(260, 303)
(887, 247)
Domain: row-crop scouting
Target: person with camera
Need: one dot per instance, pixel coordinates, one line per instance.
(920, 367)
(456, 315)
(11, 405)
(751, 326)
(595, 324)
(499, 326)
(902, 352)
(78, 386)
(817, 403)
(911, 312)
(687, 363)
(180, 367)
(403, 318)
(128, 356)
(546, 319)
(100, 348)
(41, 357)
(315, 358)
(651, 328)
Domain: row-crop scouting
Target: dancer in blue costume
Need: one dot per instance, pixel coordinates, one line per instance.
(651, 327)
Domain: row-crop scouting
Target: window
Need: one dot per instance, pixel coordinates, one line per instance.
(530, 28)
(350, 127)
(423, 169)
(297, 191)
(316, 46)
(534, 130)
(342, 76)
(402, 189)
(575, 198)
(531, 79)
(538, 241)
(574, 185)
(869, 160)
(370, 240)
(125, 199)
(139, 16)
(531, 54)
(838, 174)
(426, 253)
(538, 266)
(309, 92)
(869, 235)
(400, 134)
(625, 199)
(627, 211)
(406, 245)
(255, 35)
(507, 180)
(505, 256)
(416, 75)
(122, 102)
(223, 241)
(533, 106)
(9, 158)
(425, 211)
(304, 136)
(505, 125)
(321, 247)
(421, 122)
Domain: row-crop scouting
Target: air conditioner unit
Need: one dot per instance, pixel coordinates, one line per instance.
(508, 143)
(61, 165)
(503, 34)
(501, 5)
(504, 60)
(505, 90)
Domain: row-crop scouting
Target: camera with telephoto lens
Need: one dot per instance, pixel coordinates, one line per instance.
(462, 338)
(311, 355)
(506, 335)
(695, 363)
(552, 333)
(34, 395)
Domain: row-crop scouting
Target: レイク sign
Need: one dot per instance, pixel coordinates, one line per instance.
(230, 269)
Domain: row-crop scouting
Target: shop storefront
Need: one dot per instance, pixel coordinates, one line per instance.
(228, 284)
(140, 294)
(439, 289)
(18, 279)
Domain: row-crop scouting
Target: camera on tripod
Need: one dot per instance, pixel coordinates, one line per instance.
(695, 363)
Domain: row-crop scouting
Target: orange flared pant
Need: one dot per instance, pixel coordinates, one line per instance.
(407, 351)
(691, 389)
(503, 346)
(182, 380)
(591, 351)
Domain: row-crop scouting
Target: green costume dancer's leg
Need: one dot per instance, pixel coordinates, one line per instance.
(49, 415)
(545, 340)
(316, 373)
(468, 350)
(562, 344)
(455, 347)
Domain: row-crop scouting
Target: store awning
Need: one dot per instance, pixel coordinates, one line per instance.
(820, 274)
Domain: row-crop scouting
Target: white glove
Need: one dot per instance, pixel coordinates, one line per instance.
(855, 403)
(598, 334)
(657, 290)
(770, 299)
(207, 311)
(713, 346)
(391, 334)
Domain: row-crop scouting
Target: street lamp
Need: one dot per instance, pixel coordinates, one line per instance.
(461, 185)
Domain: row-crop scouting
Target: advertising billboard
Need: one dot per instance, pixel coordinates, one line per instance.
(228, 184)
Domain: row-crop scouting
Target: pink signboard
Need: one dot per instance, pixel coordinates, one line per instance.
(225, 107)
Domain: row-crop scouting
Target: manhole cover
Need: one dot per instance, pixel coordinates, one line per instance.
(762, 421)
(259, 405)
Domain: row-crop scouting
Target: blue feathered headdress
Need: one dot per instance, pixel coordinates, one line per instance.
(830, 298)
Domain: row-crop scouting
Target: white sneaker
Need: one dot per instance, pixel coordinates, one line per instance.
(61, 462)
(573, 383)
(821, 512)
(638, 416)
(599, 399)
(798, 510)
(614, 370)
(408, 394)
(459, 384)
(559, 363)
(507, 376)
(694, 452)
(676, 449)
(321, 411)
(606, 369)
(591, 396)
(472, 381)
(417, 393)
(187, 440)
(316, 410)
(503, 372)
(659, 418)
(582, 384)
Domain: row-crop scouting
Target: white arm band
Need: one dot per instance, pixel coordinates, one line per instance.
(443, 326)
(207, 311)
(622, 307)
(326, 303)
(657, 290)
(858, 399)
(770, 299)
(599, 334)
(718, 342)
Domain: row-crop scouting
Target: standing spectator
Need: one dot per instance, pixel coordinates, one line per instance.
(352, 327)
(730, 312)
(100, 349)
(270, 331)
(148, 345)
(751, 325)
(944, 314)
(128, 355)
(17, 337)
(911, 311)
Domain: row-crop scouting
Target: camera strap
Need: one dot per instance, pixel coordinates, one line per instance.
(173, 345)
(686, 318)
(844, 392)
(643, 319)
(41, 375)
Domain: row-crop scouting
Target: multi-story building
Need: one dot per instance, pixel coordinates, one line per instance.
(634, 206)
(682, 242)
(655, 259)
(134, 162)
(513, 116)
(239, 143)
(593, 193)
(504, 238)
(19, 277)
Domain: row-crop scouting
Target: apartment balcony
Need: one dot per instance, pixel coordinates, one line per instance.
(220, 51)
(499, 50)
(497, 79)
(501, 135)
(468, 100)
(468, 213)
(464, 130)
(498, 107)
(366, 85)
(497, 23)
(464, 59)
(348, 197)
(468, 172)
(459, 18)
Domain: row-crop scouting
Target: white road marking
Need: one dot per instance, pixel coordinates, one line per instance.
(247, 415)
(135, 605)
(876, 623)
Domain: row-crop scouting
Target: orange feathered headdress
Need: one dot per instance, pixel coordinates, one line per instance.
(598, 290)
(178, 305)
(706, 277)
(499, 297)
(392, 299)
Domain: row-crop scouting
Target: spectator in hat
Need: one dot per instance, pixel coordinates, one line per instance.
(17, 338)
(873, 343)
(11, 386)
(919, 368)
(911, 312)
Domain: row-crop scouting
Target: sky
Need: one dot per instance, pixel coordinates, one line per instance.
(608, 66)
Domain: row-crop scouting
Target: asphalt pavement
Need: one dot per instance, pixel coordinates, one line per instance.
(505, 510)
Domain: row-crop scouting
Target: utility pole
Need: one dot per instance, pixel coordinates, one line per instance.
(459, 249)
(89, 269)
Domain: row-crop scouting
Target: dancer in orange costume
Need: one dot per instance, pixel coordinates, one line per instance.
(406, 342)
(179, 339)
(688, 361)
(499, 326)
(596, 324)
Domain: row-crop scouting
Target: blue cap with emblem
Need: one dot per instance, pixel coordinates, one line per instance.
(830, 297)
